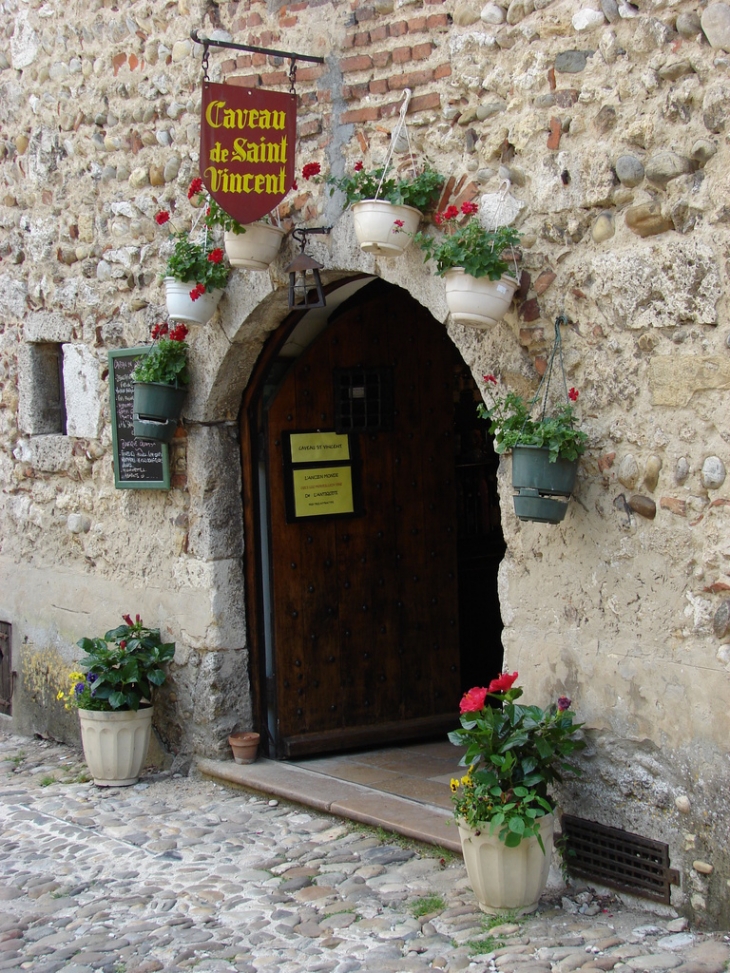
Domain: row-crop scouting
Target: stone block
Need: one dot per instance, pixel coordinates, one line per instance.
(216, 524)
(673, 381)
(82, 389)
(47, 326)
(41, 407)
(46, 454)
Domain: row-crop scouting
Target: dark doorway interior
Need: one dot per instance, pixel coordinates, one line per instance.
(371, 622)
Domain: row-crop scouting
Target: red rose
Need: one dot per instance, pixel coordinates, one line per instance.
(473, 701)
(503, 683)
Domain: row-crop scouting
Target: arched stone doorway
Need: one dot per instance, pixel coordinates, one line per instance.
(367, 621)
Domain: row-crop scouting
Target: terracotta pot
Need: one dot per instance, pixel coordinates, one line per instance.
(375, 227)
(507, 879)
(256, 248)
(115, 744)
(181, 307)
(244, 746)
(478, 301)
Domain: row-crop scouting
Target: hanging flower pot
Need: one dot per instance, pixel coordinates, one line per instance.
(478, 301)
(256, 248)
(384, 229)
(181, 306)
(539, 484)
(156, 410)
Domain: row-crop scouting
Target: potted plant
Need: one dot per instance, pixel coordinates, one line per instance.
(195, 275)
(251, 247)
(545, 449)
(160, 384)
(480, 280)
(113, 694)
(386, 211)
(502, 804)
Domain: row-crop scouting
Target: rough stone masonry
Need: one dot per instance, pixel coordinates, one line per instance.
(607, 122)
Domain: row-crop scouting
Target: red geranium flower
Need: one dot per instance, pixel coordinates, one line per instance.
(564, 703)
(215, 256)
(294, 185)
(158, 331)
(358, 167)
(503, 683)
(311, 169)
(490, 378)
(398, 223)
(573, 395)
(468, 209)
(197, 292)
(162, 217)
(450, 213)
(178, 332)
(195, 187)
(473, 701)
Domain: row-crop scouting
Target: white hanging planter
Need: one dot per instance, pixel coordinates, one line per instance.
(181, 307)
(376, 229)
(478, 301)
(256, 248)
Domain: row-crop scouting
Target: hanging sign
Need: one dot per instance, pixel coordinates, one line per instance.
(247, 142)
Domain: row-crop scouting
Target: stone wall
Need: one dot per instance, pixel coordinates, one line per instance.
(609, 120)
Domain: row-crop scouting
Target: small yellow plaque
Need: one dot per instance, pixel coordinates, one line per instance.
(323, 490)
(319, 447)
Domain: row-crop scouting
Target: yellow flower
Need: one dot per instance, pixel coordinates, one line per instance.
(75, 677)
(466, 780)
(454, 785)
(59, 694)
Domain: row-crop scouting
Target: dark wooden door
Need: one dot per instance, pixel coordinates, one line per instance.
(365, 608)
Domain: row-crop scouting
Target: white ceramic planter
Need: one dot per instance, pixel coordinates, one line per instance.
(478, 301)
(507, 878)
(254, 249)
(376, 230)
(181, 307)
(115, 744)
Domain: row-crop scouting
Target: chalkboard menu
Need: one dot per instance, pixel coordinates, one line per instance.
(139, 464)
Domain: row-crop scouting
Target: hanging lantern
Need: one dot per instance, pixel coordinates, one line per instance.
(305, 284)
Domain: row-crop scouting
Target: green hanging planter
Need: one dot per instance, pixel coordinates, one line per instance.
(539, 483)
(156, 410)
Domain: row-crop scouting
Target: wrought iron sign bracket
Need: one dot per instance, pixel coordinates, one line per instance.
(229, 45)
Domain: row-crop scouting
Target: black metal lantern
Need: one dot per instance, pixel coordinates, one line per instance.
(305, 284)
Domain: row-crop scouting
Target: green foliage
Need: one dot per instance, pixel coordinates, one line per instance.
(511, 423)
(427, 905)
(513, 753)
(121, 669)
(166, 362)
(470, 246)
(47, 780)
(217, 216)
(419, 191)
(201, 263)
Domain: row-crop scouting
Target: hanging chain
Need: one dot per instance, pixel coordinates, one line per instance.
(545, 380)
(293, 76)
(206, 52)
(400, 127)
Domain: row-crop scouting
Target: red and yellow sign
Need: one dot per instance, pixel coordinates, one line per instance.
(247, 142)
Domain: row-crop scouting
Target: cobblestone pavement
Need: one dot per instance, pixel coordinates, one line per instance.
(182, 874)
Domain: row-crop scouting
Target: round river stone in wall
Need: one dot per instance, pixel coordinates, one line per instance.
(628, 472)
(629, 170)
(688, 25)
(713, 473)
(716, 25)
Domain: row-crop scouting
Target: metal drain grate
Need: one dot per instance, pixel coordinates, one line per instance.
(618, 859)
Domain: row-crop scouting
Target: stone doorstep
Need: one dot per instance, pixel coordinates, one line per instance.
(422, 822)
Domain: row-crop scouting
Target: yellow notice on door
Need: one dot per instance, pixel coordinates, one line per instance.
(319, 447)
(323, 490)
